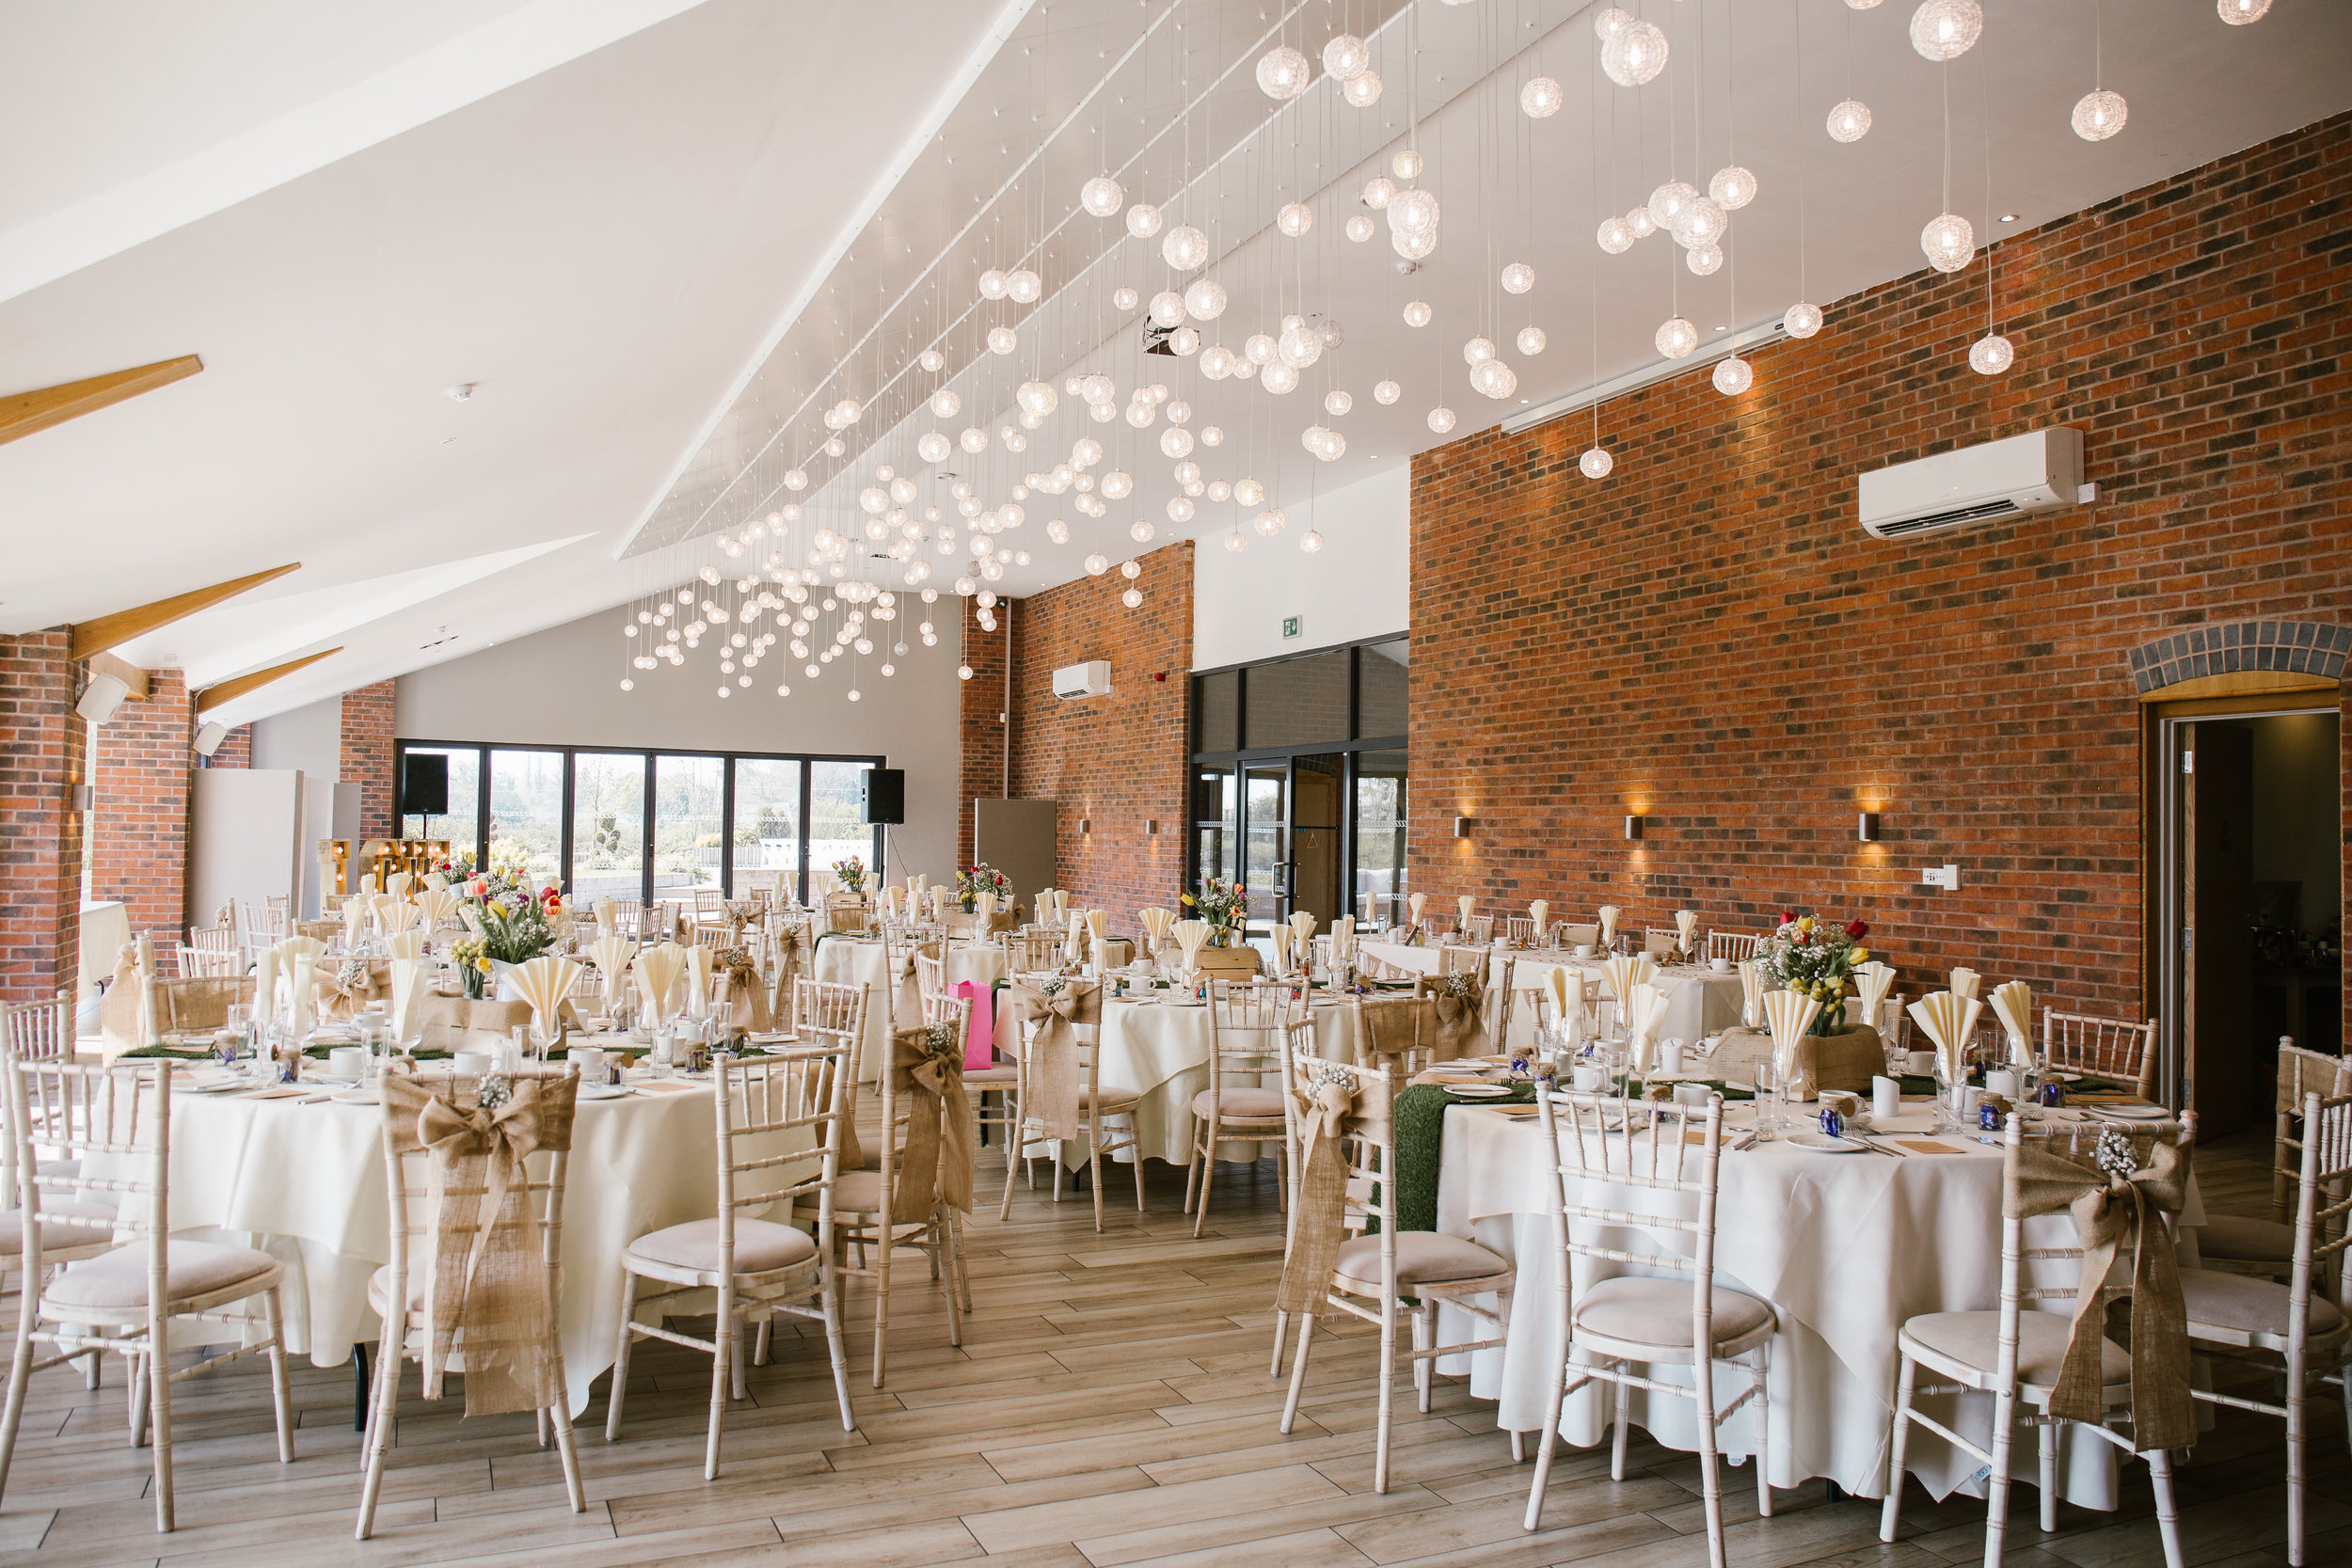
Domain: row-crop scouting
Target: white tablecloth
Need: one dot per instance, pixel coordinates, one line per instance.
(849, 962)
(1844, 1246)
(305, 1183)
(105, 927)
(1699, 1000)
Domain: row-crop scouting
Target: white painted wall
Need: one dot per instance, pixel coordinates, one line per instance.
(1358, 586)
(562, 687)
(310, 739)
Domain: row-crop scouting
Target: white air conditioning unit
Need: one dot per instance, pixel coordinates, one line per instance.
(2015, 478)
(1090, 680)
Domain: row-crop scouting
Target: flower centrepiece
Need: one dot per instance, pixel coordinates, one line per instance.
(1814, 957)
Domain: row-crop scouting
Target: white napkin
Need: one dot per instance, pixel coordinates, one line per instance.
(405, 944)
(355, 918)
(1282, 935)
(1540, 913)
(1191, 936)
(985, 907)
(1948, 1019)
(1872, 982)
(1568, 986)
(1964, 982)
(1687, 926)
(265, 983)
(658, 971)
(1465, 903)
(1645, 1012)
(1061, 903)
(545, 982)
(612, 955)
(1413, 905)
(2012, 1003)
(1792, 1013)
(1344, 938)
(1625, 973)
(1609, 914)
(306, 1000)
(1302, 932)
(403, 917)
(398, 884)
(607, 917)
(1752, 992)
(1043, 905)
(407, 983)
(698, 981)
(1098, 924)
(434, 905)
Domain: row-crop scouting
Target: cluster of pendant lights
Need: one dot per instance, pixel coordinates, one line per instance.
(1632, 52)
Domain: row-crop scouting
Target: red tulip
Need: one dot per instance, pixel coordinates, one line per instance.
(1787, 917)
(1857, 929)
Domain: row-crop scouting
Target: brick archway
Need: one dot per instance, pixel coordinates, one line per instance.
(2287, 647)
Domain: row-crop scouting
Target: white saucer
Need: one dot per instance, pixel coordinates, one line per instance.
(1477, 1092)
(598, 1091)
(1821, 1143)
(2129, 1113)
(361, 1095)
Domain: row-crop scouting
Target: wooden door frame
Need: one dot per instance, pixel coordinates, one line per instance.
(2245, 693)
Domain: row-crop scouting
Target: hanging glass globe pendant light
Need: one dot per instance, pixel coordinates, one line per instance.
(1186, 249)
(1102, 196)
(1944, 30)
(2240, 13)
(1595, 463)
(1635, 53)
(1363, 91)
(1734, 376)
(1850, 121)
(1283, 74)
(1541, 97)
(1732, 188)
(1346, 57)
(1802, 320)
(1948, 242)
(1678, 337)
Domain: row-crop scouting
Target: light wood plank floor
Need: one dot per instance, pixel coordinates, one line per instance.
(1110, 1405)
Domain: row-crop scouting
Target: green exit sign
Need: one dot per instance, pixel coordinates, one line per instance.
(1290, 626)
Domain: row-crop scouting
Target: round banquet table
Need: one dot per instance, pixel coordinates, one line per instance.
(305, 1183)
(1699, 1000)
(1845, 1248)
(853, 960)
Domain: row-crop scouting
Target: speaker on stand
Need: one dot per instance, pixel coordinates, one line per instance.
(882, 798)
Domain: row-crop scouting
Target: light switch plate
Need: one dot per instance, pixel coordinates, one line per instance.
(1940, 876)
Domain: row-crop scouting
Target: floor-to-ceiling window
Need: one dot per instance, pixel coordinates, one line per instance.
(642, 824)
(1298, 781)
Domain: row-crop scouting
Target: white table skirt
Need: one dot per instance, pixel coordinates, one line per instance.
(1845, 1249)
(305, 1183)
(849, 962)
(1699, 1000)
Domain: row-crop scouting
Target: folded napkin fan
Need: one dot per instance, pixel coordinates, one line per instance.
(407, 980)
(1414, 904)
(1302, 932)
(1282, 935)
(398, 884)
(1872, 982)
(405, 944)
(607, 918)
(1609, 914)
(612, 955)
(1191, 936)
(403, 917)
(1964, 983)
(1687, 927)
(1791, 1013)
(1098, 924)
(1752, 992)
(1624, 973)
(355, 917)
(2012, 1003)
(299, 948)
(1344, 938)
(304, 968)
(1465, 904)
(1948, 1019)
(697, 1002)
(1539, 914)
(658, 971)
(545, 982)
(1645, 1012)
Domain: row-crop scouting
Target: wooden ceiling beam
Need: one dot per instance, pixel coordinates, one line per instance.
(112, 631)
(23, 413)
(122, 669)
(223, 692)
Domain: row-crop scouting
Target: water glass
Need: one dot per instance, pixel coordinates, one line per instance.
(1952, 1093)
(1766, 1078)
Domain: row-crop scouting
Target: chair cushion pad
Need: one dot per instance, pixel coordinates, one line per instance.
(761, 1246)
(1004, 1075)
(1974, 1339)
(2249, 1304)
(2246, 1241)
(118, 1279)
(55, 1237)
(1246, 1104)
(1658, 1311)
(859, 1191)
(1422, 1257)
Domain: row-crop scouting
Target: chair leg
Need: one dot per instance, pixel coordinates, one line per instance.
(388, 1360)
(1423, 1338)
(1621, 1420)
(159, 1408)
(1711, 1474)
(134, 1408)
(2167, 1512)
(568, 1448)
(20, 1375)
(1554, 1393)
(1764, 1429)
(2046, 1472)
(2299, 1418)
(882, 1292)
(829, 1296)
(942, 1242)
(1004, 1209)
(1282, 1327)
(1996, 1483)
(1095, 1167)
(724, 1339)
(1298, 1370)
(1890, 1513)
(280, 1392)
(1192, 1171)
(620, 1358)
(1134, 1147)
(1388, 1395)
(1208, 1178)
(962, 1264)
(759, 1345)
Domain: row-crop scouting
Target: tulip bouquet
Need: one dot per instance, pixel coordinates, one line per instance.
(1813, 957)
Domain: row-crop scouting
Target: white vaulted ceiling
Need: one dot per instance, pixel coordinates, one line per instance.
(659, 236)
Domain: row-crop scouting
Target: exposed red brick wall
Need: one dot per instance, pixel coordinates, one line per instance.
(981, 769)
(367, 756)
(42, 746)
(1115, 760)
(235, 749)
(139, 845)
(1708, 637)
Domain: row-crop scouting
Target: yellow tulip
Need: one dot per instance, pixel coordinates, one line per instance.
(1860, 954)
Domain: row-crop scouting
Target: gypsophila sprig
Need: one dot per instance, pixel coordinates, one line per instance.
(2115, 1155)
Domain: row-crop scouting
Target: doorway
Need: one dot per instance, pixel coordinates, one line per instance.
(2252, 840)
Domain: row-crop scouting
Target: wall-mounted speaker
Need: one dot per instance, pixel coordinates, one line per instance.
(883, 793)
(424, 784)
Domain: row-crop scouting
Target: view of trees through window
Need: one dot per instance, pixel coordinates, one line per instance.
(636, 824)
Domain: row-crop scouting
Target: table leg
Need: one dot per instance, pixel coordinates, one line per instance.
(359, 1388)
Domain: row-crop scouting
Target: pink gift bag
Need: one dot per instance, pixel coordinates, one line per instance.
(980, 1039)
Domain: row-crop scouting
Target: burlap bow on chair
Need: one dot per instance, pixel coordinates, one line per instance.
(1460, 1002)
(1319, 1216)
(484, 1274)
(785, 943)
(936, 1166)
(742, 996)
(1052, 1096)
(346, 991)
(2114, 1213)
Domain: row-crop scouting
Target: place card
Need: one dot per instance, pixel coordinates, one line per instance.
(1920, 1145)
(661, 1085)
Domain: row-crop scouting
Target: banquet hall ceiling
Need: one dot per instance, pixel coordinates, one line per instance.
(658, 237)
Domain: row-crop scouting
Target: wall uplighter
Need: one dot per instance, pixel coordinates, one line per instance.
(1633, 827)
(1867, 827)
(1462, 826)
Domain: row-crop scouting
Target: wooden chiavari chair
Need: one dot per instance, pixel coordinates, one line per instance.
(1247, 1046)
(1097, 1106)
(1733, 946)
(2014, 1354)
(846, 912)
(1649, 1321)
(120, 1299)
(1395, 1034)
(1478, 930)
(1657, 943)
(1001, 1077)
(1376, 1276)
(39, 1032)
(211, 950)
(2103, 1047)
(1519, 931)
(1036, 951)
(758, 1267)
(2238, 1244)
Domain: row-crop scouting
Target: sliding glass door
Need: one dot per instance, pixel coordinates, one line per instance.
(527, 812)
(688, 823)
(767, 795)
(608, 825)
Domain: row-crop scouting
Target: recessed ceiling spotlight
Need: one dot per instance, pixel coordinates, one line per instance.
(2009, 217)
(462, 392)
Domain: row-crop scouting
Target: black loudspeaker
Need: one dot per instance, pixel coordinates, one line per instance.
(883, 793)
(424, 784)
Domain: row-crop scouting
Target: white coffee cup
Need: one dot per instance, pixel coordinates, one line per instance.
(2002, 1081)
(347, 1062)
(1922, 1063)
(1719, 963)
(469, 1064)
(590, 1062)
(1692, 1094)
(1583, 949)
(1590, 1078)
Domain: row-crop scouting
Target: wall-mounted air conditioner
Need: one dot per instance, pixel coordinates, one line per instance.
(1090, 680)
(2024, 474)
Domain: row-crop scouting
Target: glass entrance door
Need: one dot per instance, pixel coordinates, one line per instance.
(1317, 794)
(1265, 841)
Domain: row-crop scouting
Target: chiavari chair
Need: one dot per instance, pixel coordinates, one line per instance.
(1247, 1046)
(2103, 1047)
